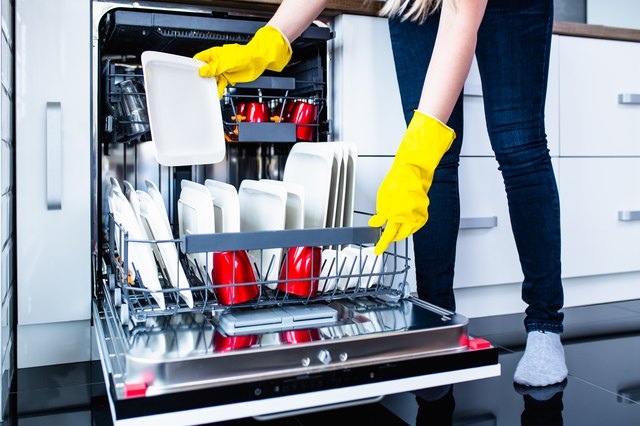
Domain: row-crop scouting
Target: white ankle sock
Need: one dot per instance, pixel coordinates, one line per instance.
(543, 361)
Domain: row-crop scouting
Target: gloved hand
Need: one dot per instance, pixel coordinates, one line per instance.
(234, 63)
(402, 199)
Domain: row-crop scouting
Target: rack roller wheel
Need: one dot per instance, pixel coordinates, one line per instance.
(112, 282)
(124, 314)
(117, 297)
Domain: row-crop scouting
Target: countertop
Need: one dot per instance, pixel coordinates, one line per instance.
(371, 7)
(595, 31)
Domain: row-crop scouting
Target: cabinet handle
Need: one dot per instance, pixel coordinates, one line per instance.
(54, 156)
(478, 222)
(628, 215)
(629, 98)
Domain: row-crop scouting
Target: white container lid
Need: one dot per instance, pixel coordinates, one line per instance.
(184, 111)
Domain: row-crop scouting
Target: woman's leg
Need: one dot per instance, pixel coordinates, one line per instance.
(435, 243)
(513, 57)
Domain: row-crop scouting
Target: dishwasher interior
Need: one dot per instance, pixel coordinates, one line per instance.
(163, 348)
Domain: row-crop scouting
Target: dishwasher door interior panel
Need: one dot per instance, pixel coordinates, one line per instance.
(188, 363)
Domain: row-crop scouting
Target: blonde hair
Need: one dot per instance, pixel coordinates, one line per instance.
(417, 12)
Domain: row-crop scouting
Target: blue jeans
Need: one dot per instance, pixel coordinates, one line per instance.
(513, 57)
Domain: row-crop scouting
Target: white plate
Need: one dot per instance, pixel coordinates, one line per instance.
(336, 166)
(157, 198)
(313, 170)
(343, 152)
(134, 200)
(168, 253)
(350, 185)
(329, 269)
(184, 111)
(139, 254)
(226, 205)
(358, 262)
(196, 216)
(263, 208)
(295, 202)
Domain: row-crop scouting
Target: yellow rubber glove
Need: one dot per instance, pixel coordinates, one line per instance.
(402, 202)
(236, 63)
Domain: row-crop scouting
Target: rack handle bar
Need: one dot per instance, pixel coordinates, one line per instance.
(232, 241)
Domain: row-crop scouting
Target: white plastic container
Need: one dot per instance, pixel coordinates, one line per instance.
(184, 111)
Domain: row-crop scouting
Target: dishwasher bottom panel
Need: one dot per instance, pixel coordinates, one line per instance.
(288, 396)
(189, 369)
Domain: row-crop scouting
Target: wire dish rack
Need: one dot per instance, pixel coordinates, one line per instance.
(236, 272)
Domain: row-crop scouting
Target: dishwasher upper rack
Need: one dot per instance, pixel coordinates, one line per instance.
(352, 276)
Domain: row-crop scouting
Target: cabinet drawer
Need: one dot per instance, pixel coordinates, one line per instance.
(486, 252)
(593, 75)
(600, 205)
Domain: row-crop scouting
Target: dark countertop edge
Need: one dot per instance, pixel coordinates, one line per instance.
(576, 29)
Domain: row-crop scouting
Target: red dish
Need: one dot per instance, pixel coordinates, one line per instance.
(300, 265)
(256, 112)
(222, 343)
(231, 269)
(304, 113)
(294, 337)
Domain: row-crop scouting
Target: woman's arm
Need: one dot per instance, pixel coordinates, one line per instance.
(294, 16)
(452, 56)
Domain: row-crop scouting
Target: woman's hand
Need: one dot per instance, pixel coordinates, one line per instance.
(402, 202)
(235, 63)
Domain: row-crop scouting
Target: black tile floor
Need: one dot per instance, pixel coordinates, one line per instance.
(602, 346)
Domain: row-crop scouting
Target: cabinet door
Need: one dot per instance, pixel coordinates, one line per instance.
(600, 207)
(53, 141)
(599, 97)
(486, 252)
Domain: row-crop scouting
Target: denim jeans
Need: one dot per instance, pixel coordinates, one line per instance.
(513, 58)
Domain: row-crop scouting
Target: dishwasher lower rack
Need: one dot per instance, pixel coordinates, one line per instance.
(270, 269)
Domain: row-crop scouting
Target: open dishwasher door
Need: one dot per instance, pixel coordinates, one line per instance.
(189, 355)
(277, 354)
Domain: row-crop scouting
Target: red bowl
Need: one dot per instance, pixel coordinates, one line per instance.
(288, 110)
(241, 108)
(222, 343)
(300, 265)
(304, 113)
(256, 112)
(294, 337)
(231, 269)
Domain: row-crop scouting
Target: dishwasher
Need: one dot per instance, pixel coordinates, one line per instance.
(276, 354)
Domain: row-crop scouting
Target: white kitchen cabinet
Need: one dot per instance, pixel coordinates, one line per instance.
(599, 97)
(53, 164)
(600, 208)
(486, 252)
(366, 100)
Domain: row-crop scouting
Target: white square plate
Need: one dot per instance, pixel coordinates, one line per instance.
(184, 111)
